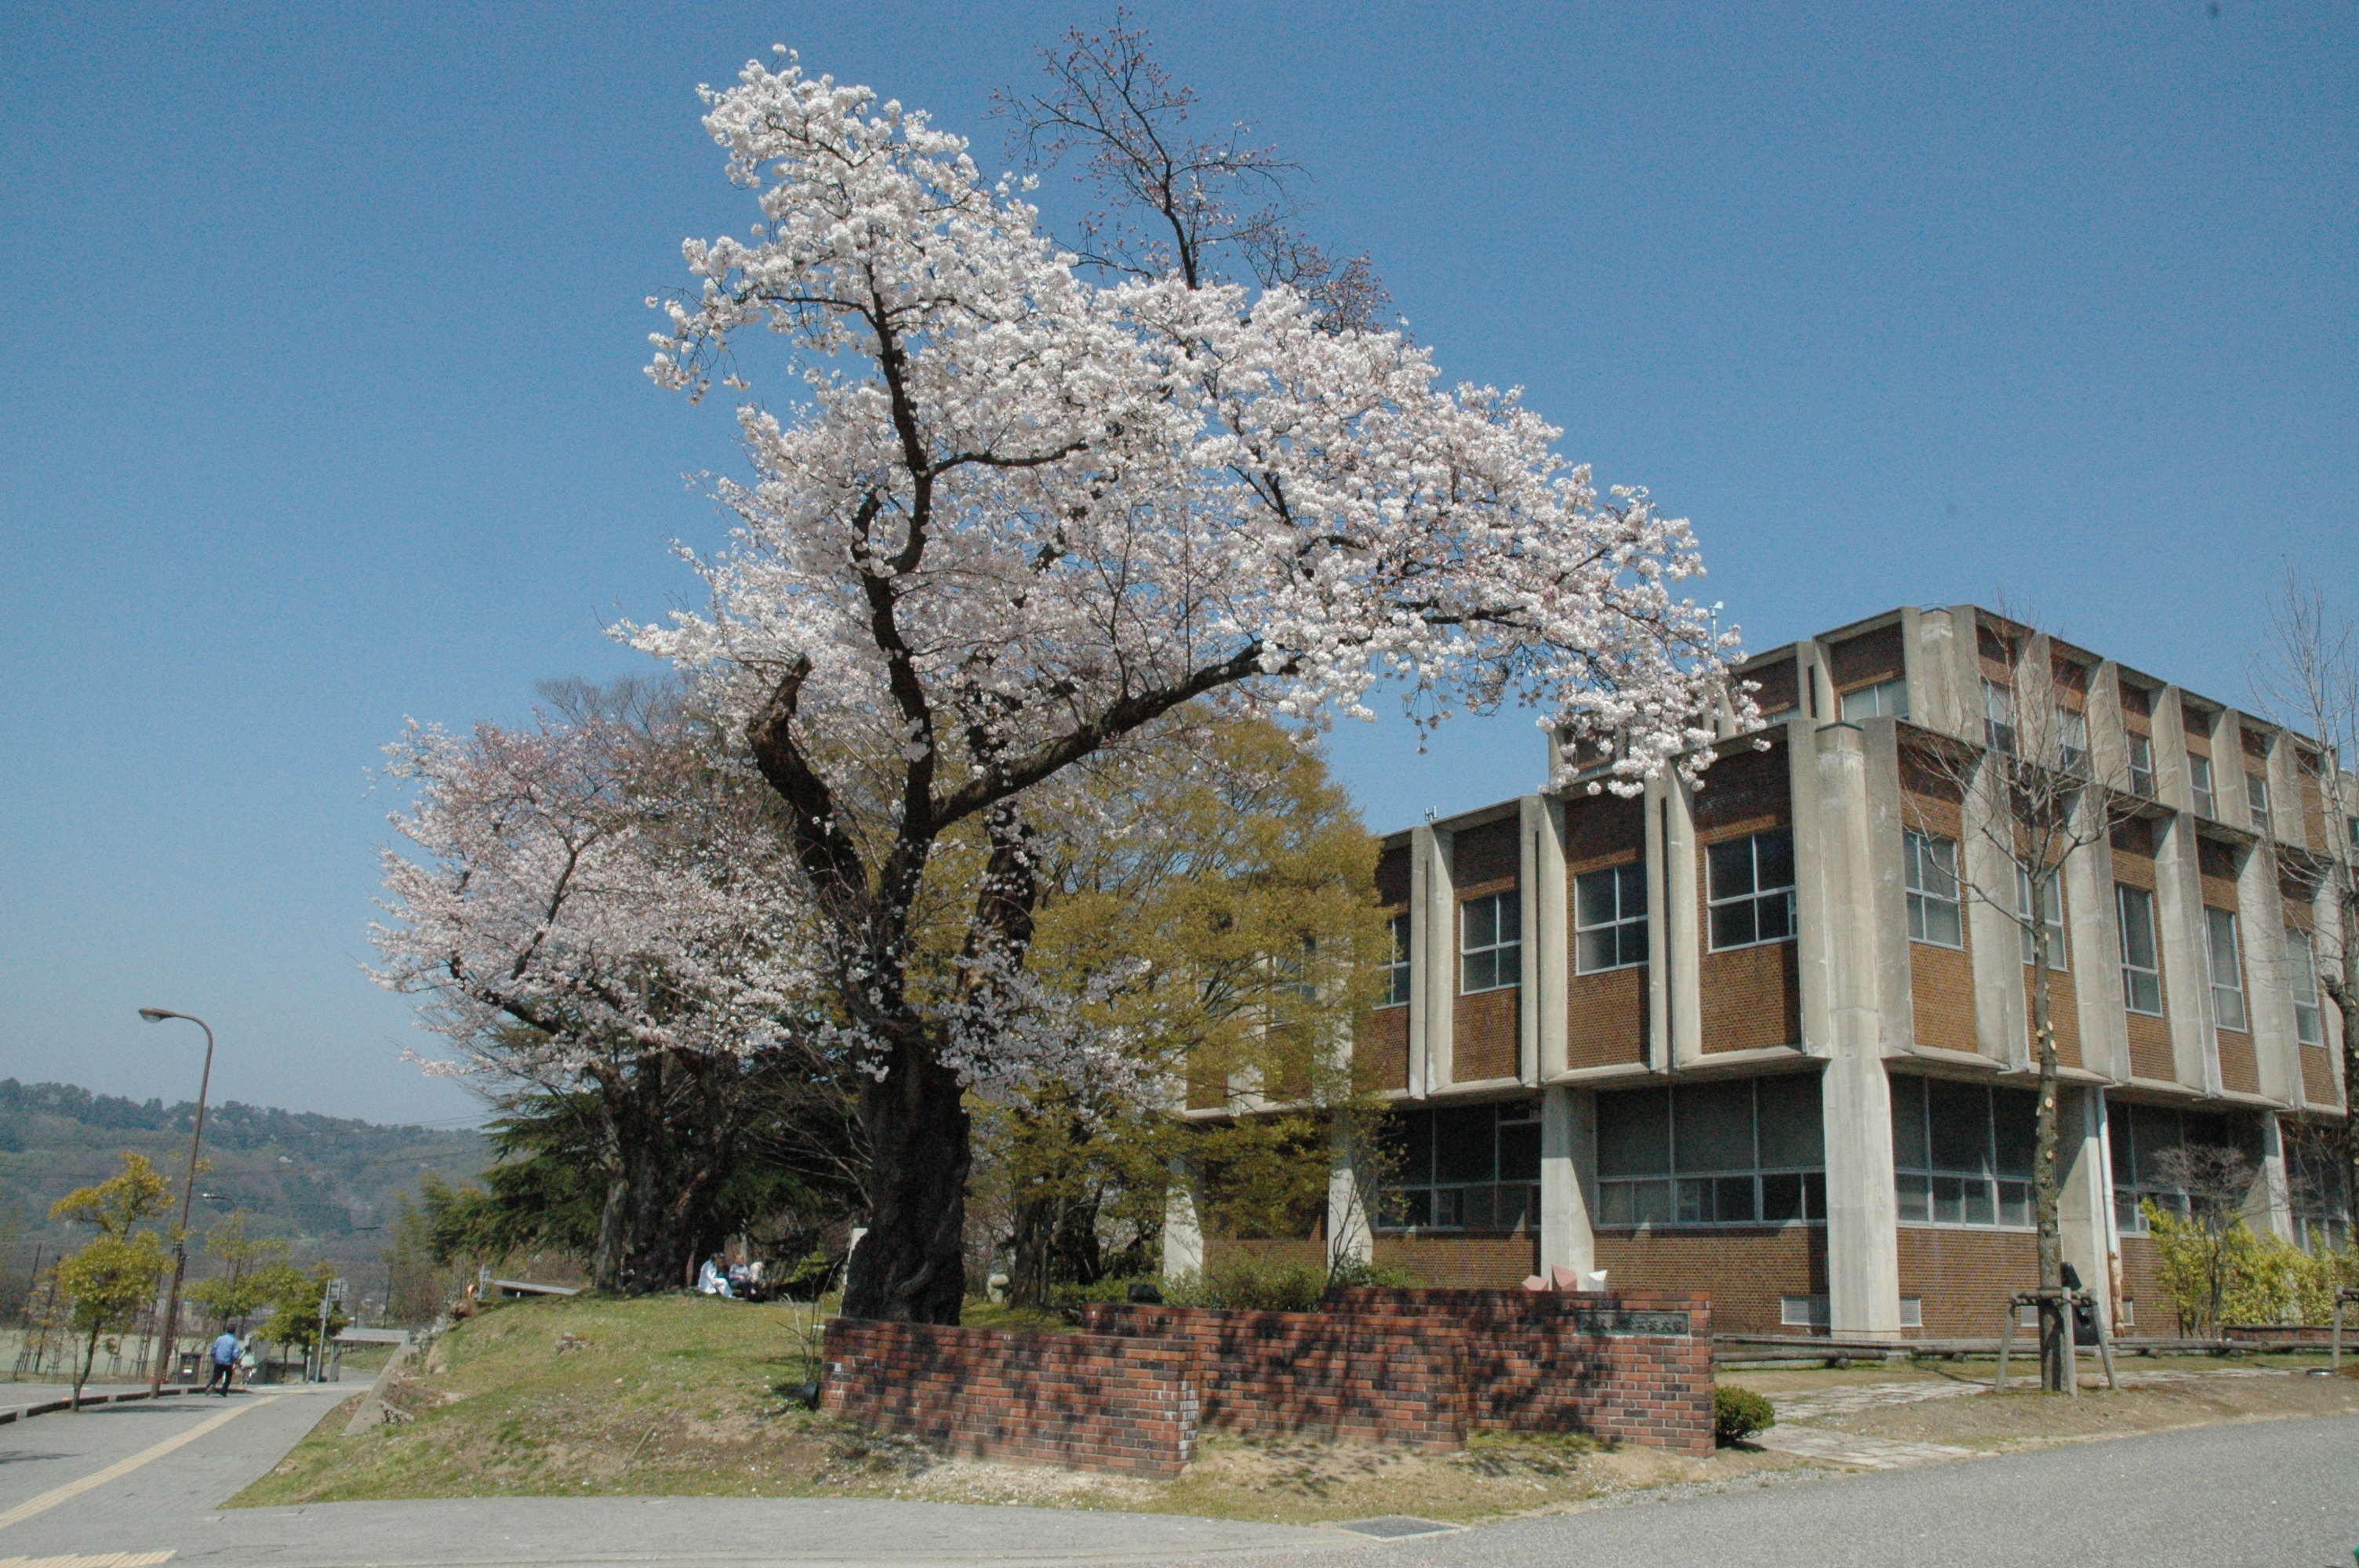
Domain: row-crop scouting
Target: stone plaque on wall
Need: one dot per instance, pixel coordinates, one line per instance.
(1670, 1323)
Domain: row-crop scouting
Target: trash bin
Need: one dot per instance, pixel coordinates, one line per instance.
(187, 1370)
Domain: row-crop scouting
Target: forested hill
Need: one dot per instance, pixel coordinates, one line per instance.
(323, 1183)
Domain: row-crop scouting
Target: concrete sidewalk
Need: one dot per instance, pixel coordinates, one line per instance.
(726, 1532)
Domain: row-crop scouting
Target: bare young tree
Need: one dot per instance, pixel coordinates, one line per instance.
(2217, 1181)
(2308, 676)
(2035, 793)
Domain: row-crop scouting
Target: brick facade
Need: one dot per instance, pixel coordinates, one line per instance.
(1380, 1046)
(1099, 1402)
(1963, 1276)
(1531, 1364)
(1347, 1376)
(1746, 1271)
(1481, 1261)
(1606, 1021)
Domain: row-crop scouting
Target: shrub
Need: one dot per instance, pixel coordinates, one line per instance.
(1738, 1414)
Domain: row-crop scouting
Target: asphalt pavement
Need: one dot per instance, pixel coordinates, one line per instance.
(142, 1485)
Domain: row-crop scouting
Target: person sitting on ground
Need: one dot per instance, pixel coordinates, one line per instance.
(712, 1280)
(225, 1357)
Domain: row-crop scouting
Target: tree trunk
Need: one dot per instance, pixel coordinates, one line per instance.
(910, 1267)
(670, 1139)
(2055, 1325)
(1036, 1233)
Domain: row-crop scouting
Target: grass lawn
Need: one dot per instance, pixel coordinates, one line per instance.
(693, 1396)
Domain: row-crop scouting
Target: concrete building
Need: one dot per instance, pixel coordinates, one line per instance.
(1760, 1039)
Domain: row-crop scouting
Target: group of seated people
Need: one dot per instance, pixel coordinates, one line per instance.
(737, 1282)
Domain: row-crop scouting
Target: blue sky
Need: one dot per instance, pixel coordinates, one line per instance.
(322, 403)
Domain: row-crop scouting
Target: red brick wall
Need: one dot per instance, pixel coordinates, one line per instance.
(1098, 1402)
(1484, 1039)
(2240, 1064)
(1780, 687)
(2151, 1056)
(2156, 1317)
(1941, 979)
(2063, 1013)
(1393, 879)
(1366, 1377)
(1381, 1043)
(1965, 1276)
(1464, 1262)
(1492, 852)
(1607, 1022)
(1744, 1270)
(1751, 997)
(2317, 1075)
(1531, 1366)
(1866, 659)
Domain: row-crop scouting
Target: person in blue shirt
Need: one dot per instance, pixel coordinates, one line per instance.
(224, 1353)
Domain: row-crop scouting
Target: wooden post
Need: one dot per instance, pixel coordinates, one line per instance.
(2105, 1349)
(2005, 1338)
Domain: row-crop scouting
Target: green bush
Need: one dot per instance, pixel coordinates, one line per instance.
(1738, 1414)
(1250, 1284)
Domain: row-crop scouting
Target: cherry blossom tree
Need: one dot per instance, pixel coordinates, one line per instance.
(588, 905)
(1019, 510)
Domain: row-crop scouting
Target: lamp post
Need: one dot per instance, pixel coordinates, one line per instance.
(188, 1196)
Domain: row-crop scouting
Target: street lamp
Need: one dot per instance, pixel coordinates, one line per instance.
(188, 1196)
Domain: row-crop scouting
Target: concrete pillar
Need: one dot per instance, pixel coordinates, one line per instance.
(1863, 1221)
(1351, 1236)
(2093, 928)
(2268, 982)
(1184, 1230)
(2185, 966)
(1823, 787)
(1679, 1012)
(1433, 954)
(1568, 1178)
(1539, 884)
(2002, 1021)
(2272, 1208)
(2084, 1192)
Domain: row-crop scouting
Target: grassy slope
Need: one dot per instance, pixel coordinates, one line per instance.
(686, 1395)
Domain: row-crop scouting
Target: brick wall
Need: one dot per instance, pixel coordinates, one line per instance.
(2317, 1075)
(2141, 1283)
(1865, 659)
(1941, 979)
(1492, 852)
(1965, 1276)
(1746, 1271)
(1381, 1045)
(2063, 1013)
(1780, 687)
(1751, 998)
(1122, 1404)
(1466, 1262)
(2151, 1056)
(1537, 1361)
(1485, 1035)
(1606, 1021)
(1304, 1252)
(2240, 1064)
(1374, 1378)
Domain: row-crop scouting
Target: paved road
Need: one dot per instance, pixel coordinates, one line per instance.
(2284, 1494)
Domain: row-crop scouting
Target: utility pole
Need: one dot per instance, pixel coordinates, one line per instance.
(188, 1196)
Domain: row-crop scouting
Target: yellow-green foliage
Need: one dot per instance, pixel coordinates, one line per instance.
(2255, 1278)
(111, 1278)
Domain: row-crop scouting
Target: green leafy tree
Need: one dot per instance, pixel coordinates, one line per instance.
(294, 1300)
(244, 1286)
(111, 1280)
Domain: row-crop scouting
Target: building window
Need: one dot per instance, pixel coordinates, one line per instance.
(1397, 966)
(2051, 915)
(2227, 970)
(2319, 1186)
(2256, 797)
(1961, 1152)
(2142, 1136)
(2141, 766)
(1803, 1311)
(1740, 1151)
(1751, 884)
(1931, 863)
(2199, 784)
(1998, 715)
(1609, 919)
(2141, 957)
(1885, 699)
(2301, 958)
(1490, 942)
(2072, 739)
(1463, 1167)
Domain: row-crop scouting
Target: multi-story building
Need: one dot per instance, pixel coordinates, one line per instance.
(1762, 1039)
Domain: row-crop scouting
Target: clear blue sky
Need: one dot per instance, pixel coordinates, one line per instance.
(322, 403)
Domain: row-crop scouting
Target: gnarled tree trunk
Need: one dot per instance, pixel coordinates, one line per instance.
(911, 1266)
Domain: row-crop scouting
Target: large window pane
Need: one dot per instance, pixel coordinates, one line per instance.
(1960, 1119)
(2015, 1127)
(1733, 924)
(1731, 867)
(1594, 901)
(1793, 1126)
(1634, 1133)
(1773, 857)
(1519, 1150)
(1463, 1144)
(1712, 1127)
(1909, 1150)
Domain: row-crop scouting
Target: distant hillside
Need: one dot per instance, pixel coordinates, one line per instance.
(323, 1183)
